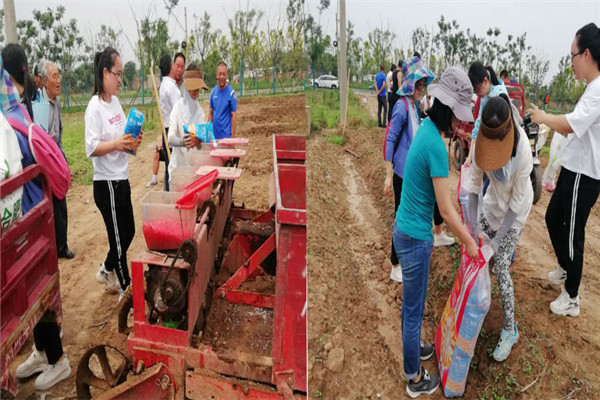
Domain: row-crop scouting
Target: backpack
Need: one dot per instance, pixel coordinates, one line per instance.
(401, 130)
(45, 151)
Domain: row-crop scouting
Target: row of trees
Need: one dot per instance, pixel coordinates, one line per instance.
(253, 45)
(447, 45)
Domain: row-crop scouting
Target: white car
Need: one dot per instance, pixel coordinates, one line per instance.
(327, 81)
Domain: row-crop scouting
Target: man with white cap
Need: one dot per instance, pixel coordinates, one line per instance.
(425, 183)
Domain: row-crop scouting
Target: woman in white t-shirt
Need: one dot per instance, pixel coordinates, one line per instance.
(186, 111)
(578, 184)
(107, 145)
(502, 151)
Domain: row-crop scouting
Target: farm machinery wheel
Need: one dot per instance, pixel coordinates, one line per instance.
(112, 365)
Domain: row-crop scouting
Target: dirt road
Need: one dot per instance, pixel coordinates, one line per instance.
(89, 312)
(354, 309)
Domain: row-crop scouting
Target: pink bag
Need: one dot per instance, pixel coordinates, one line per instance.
(46, 153)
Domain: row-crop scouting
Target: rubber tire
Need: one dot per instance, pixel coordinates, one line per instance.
(317, 85)
(536, 182)
(458, 155)
(333, 87)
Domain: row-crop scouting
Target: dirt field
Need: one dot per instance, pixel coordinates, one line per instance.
(355, 348)
(89, 312)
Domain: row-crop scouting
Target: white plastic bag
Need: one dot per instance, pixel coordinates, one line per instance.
(556, 148)
(464, 183)
(10, 159)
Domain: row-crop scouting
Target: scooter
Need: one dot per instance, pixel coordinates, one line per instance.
(537, 139)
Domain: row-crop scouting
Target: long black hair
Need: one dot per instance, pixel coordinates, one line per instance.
(478, 72)
(588, 37)
(103, 59)
(441, 115)
(164, 64)
(15, 63)
(495, 112)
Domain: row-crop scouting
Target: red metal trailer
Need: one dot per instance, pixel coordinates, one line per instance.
(232, 341)
(29, 281)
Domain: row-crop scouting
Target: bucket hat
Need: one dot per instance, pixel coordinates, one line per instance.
(455, 91)
(494, 146)
(412, 71)
(192, 80)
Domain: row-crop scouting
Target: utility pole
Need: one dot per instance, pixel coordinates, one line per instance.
(342, 66)
(10, 19)
(187, 45)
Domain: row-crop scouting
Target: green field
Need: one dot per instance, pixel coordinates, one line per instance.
(324, 110)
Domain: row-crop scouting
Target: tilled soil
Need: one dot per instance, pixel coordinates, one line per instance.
(355, 347)
(89, 313)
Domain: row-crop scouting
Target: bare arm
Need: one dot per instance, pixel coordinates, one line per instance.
(389, 176)
(558, 123)
(210, 115)
(233, 123)
(450, 216)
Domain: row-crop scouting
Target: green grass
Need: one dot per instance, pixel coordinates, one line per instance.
(74, 142)
(324, 110)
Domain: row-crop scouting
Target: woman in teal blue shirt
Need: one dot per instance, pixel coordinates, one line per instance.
(425, 182)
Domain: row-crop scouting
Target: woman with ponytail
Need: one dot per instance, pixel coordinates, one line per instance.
(15, 63)
(107, 145)
(578, 184)
(485, 85)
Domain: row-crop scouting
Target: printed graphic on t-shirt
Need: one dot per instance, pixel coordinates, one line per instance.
(115, 119)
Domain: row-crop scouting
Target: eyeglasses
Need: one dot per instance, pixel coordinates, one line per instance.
(119, 75)
(576, 54)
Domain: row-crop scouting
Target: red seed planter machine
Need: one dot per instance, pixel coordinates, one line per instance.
(224, 315)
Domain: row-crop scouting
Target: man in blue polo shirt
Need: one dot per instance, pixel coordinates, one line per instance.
(380, 87)
(223, 105)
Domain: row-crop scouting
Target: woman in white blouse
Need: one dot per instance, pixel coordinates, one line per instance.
(188, 112)
(578, 184)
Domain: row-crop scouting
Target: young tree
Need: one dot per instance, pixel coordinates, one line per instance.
(106, 36)
(203, 36)
(419, 39)
(538, 68)
(275, 46)
(129, 72)
(47, 37)
(243, 27)
(382, 41)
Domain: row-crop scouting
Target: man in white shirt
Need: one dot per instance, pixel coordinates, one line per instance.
(169, 94)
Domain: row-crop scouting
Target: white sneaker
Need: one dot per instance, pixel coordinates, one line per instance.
(53, 374)
(442, 240)
(396, 273)
(558, 276)
(564, 305)
(36, 362)
(109, 279)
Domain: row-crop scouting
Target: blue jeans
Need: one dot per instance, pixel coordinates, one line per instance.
(414, 256)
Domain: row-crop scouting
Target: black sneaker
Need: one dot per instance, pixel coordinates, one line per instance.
(427, 385)
(426, 351)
